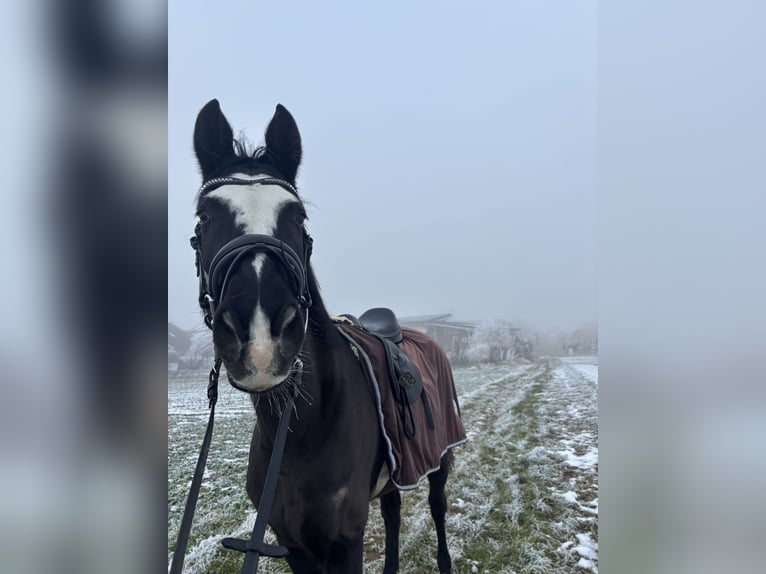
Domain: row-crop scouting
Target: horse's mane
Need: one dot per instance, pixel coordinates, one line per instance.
(248, 158)
(245, 150)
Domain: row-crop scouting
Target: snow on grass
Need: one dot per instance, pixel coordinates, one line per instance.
(587, 460)
(517, 504)
(586, 366)
(587, 547)
(570, 497)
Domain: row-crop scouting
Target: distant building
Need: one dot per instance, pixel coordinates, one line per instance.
(172, 361)
(452, 336)
(583, 340)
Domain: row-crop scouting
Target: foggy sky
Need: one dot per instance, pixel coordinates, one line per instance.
(449, 152)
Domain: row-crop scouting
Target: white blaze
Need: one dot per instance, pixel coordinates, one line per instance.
(261, 344)
(255, 207)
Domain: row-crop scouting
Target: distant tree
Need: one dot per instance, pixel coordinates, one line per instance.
(201, 352)
(492, 341)
(178, 339)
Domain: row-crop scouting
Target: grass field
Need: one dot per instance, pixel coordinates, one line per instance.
(523, 494)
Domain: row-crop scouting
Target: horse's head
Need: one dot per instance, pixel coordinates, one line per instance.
(252, 248)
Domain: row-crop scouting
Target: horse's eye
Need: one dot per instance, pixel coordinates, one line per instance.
(298, 221)
(203, 218)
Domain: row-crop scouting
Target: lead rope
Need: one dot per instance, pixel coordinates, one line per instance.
(191, 502)
(256, 546)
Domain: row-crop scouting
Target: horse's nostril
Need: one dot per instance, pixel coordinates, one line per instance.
(230, 323)
(288, 317)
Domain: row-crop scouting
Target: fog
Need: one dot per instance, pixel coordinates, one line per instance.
(449, 155)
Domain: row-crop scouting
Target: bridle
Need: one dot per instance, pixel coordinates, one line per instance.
(212, 287)
(213, 281)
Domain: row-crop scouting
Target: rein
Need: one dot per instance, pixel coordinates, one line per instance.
(212, 286)
(191, 502)
(255, 547)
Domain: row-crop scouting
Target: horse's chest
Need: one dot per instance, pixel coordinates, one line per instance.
(306, 501)
(302, 511)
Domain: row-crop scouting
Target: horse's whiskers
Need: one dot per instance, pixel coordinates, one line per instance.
(306, 359)
(304, 394)
(271, 403)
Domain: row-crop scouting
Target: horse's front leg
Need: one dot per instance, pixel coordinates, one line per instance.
(301, 562)
(390, 507)
(346, 556)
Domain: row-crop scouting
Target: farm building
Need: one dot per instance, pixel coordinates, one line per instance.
(583, 340)
(452, 336)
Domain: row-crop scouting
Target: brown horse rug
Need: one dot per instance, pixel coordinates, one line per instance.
(411, 455)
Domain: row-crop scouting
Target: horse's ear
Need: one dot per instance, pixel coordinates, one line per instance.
(213, 138)
(283, 140)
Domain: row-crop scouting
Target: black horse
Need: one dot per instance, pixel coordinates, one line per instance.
(267, 313)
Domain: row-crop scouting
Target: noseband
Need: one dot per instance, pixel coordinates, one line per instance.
(213, 282)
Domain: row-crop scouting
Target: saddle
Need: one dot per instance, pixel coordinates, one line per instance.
(432, 412)
(404, 376)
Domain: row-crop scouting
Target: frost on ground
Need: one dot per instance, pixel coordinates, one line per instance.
(523, 493)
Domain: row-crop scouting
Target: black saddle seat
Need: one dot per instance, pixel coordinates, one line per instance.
(383, 322)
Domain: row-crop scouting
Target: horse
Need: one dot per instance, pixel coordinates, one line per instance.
(266, 314)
